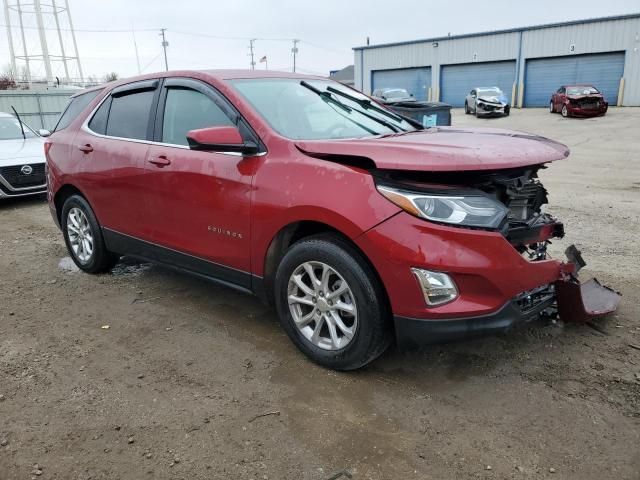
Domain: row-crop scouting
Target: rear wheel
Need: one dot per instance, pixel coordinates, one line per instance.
(83, 237)
(551, 108)
(466, 108)
(331, 303)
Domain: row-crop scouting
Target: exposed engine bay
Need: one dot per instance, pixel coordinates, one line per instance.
(526, 226)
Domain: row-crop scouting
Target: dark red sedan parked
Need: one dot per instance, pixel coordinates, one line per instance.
(360, 225)
(578, 101)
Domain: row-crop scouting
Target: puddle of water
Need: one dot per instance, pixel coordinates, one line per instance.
(67, 265)
(130, 267)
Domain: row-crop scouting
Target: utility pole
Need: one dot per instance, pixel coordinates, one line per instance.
(135, 47)
(294, 50)
(165, 44)
(251, 54)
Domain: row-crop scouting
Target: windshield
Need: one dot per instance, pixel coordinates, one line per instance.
(582, 90)
(312, 112)
(10, 129)
(490, 92)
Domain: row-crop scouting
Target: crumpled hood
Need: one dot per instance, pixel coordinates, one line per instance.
(494, 99)
(444, 149)
(21, 152)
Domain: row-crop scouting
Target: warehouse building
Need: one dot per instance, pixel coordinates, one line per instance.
(528, 64)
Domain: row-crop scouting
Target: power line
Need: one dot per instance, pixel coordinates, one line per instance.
(84, 30)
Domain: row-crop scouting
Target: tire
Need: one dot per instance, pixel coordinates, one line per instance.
(466, 108)
(551, 108)
(77, 212)
(564, 111)
(369, 320)
(507, 111)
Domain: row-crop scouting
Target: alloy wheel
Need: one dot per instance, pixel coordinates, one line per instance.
(322, 305)
(565, 112)
(80, 235)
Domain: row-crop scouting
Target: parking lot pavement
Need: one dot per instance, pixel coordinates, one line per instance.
(191, 380)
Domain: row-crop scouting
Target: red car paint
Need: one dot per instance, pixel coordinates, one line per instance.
(447, 149)
(582, 105)
(229, 209)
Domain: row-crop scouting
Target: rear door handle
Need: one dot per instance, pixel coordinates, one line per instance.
(86, 148)
(160, 161)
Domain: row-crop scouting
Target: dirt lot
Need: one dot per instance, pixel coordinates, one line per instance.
(175, 386)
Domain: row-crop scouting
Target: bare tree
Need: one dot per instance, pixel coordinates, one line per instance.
(110, 77)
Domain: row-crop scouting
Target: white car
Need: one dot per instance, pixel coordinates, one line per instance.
(22, 160)
(487, 101)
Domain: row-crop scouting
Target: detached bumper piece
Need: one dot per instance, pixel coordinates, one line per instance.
(571, 300)
(581, 302)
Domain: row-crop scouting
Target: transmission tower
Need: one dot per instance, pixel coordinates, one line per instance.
(42, 42)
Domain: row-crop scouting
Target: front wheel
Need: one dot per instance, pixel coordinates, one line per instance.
(331, 303)
(83, 237)
(565, 111)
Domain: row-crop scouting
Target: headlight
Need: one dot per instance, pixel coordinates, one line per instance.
(474, 210)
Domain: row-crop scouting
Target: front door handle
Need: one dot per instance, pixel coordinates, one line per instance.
(86, 148)
(160, 161)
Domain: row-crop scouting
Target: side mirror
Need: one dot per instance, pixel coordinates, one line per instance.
(43, 132)
(220, 139)
(411, 94)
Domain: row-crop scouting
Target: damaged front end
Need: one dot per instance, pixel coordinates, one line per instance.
(529, 229)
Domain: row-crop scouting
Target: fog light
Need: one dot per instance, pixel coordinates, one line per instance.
(437, 287)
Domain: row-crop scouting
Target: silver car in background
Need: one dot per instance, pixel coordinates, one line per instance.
(487, 101)
(22, 160)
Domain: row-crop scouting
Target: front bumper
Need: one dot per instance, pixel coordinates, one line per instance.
(577, 111)
(492, 110)
(493, 280)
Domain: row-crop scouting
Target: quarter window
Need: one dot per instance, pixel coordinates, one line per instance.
(129, 115)
(186, 110)
(74, 108)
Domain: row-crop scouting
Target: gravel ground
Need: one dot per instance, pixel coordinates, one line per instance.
(195, 381)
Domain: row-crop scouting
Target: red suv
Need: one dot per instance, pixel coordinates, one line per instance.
(361, 226)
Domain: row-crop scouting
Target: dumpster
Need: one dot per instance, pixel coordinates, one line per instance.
(428, 114)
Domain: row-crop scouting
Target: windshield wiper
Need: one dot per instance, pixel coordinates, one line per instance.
(326, 96)
(24, 137)
(369, 105)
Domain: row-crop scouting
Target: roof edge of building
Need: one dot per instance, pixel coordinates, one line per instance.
(496, 32)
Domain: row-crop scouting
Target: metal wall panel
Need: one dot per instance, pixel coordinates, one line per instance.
(37, 109)
(457, 80)
(573, 38)
(545, 75)
(414, 80)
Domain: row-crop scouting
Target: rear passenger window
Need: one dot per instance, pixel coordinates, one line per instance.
(129, 115)
(98, 123)
(74, 108)
(187, 109)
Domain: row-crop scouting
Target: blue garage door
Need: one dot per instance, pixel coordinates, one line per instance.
(414, 80)
(543, 76)
(456, 81)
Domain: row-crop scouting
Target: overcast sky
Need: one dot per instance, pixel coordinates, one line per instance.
(328, 29)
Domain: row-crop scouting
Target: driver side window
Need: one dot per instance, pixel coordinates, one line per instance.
(473, 93)
(186, 109)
